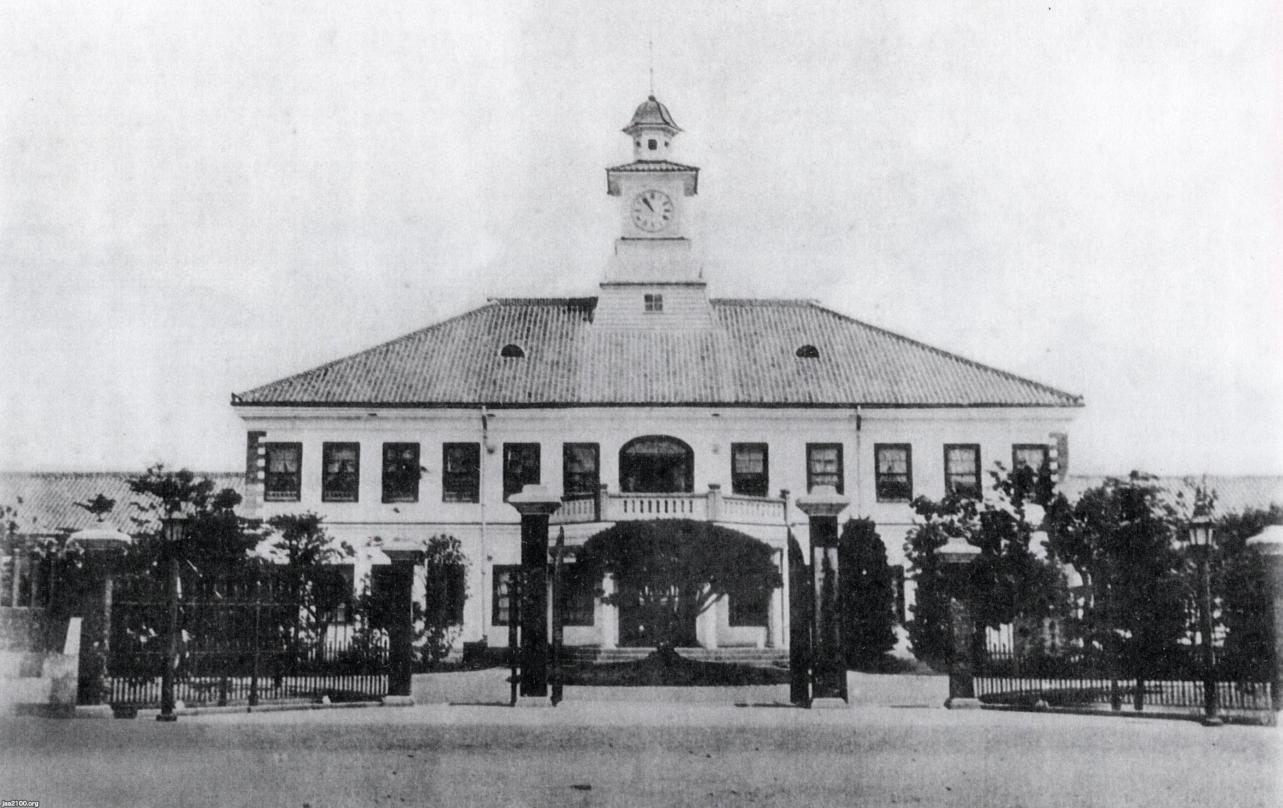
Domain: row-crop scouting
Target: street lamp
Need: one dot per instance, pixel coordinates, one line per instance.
(173, 529)
(1200, 539)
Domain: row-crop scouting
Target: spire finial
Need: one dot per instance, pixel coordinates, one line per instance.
(650, 43)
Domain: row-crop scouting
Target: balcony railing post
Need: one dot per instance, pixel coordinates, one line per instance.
(714, 502)
(597, 502)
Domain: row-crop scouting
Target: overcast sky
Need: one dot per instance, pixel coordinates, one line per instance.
(193, 203)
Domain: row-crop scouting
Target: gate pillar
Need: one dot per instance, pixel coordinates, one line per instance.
(103, 548)
(828, 677)
(963, 655)
(404, 560)
(535, 505)
(1269, 543)
(800, 603)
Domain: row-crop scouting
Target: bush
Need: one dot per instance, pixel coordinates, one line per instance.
(868, 595)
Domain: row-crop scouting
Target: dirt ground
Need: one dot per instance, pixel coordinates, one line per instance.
(638, 754)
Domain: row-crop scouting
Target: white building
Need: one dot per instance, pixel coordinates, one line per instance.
(649, 400)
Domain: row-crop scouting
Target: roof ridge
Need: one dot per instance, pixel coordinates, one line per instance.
(1077, 399)
(236, 397)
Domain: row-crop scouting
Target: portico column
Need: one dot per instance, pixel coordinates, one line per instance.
(828, 684)
(609, 614)
(535, 505)
(1269, 543)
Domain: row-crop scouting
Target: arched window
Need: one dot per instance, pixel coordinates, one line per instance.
(808, 352)
(656, 464)
(512, 351)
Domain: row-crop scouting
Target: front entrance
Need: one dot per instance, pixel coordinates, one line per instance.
(637, 629)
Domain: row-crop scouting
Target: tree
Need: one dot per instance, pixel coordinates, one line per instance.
(671, 570)
(215, 538)
(1008, 583)
(1240, 587)
(868, 594)
(309, 555)
(1121, 537)
(446, 584)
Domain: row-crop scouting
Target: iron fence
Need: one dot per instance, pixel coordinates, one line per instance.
(243, 638)
(1077, 678)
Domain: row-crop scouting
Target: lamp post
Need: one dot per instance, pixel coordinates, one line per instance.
(173, 529)
(956, 556)
(1200, 539)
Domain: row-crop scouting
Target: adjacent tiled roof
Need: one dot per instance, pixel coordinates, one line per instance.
(46, 501)
(1233, 493)
(747, 359)
(652, 165)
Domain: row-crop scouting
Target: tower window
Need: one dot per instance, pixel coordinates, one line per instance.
(653, 144)
(808, 352)
(512, 351)
(654, 302)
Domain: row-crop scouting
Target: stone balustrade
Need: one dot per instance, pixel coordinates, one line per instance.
(713, 506)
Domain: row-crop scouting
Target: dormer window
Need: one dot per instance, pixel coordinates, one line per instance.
(512, 351)
(654, 303)
(808, 352)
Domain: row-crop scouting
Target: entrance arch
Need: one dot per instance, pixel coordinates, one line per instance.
(656, 464)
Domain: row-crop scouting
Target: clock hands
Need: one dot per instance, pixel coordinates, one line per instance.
(647, 202)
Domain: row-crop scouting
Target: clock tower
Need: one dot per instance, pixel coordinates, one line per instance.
(652, 269)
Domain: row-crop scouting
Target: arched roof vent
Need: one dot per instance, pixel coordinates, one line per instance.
(512, 351)
(808, 352)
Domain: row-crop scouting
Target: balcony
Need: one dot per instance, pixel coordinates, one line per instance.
(712, 506)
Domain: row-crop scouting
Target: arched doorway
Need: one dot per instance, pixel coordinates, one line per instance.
(656, 464)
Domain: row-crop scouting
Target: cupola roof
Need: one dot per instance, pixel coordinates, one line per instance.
(651, 113)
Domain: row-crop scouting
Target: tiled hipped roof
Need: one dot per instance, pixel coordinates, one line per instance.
(748, 359)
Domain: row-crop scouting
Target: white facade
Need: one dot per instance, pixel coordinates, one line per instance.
(653, 288)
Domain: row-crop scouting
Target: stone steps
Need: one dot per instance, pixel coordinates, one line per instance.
(745, 656)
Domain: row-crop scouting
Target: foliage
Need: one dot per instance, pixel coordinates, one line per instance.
(671, 570)
(215, 537)
(438, 628)
(1239, 585)
(301, 541)
(1121, 537)
(1008, 583)
(868, 594)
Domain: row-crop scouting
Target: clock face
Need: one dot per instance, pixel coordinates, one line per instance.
(652, 211)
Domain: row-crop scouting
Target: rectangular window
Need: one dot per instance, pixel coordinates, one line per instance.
(460, 472)
(962, 469)
(340, 472)
(579, 596)
(503, 579)
(520, 467)
(752, 613)
(400, 472)
(579, 469)
(824, 465)
(1033, 455)
(654, 302)
(283, 473)
(749, 469)
(893, 471)
(335, 593)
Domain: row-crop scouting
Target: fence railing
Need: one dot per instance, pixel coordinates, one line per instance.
(242, 639)
(1081, 679)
